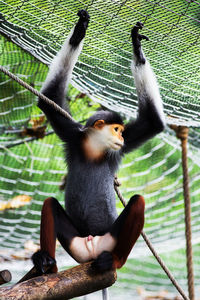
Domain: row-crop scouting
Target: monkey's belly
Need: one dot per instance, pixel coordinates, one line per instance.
(94, 218)
(94, 224)
(93, 214)
(90, 198)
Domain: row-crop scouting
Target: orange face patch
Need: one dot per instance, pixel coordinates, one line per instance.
(117, 130)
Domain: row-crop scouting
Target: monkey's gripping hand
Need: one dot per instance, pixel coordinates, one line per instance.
(43, 262)
(136, 41)
(80, 28)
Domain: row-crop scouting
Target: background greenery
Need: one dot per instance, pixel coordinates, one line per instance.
(35, 167)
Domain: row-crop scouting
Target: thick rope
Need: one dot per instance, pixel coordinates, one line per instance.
(182, 134)
(34, 91)
(116, 183)
(149, 244)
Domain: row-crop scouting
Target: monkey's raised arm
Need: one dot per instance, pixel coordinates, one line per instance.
(58, 78)
(150, 119)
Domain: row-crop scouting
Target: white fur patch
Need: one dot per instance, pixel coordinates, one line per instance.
(64, 61)
(145, 81)
(104, 139)
(100, 140)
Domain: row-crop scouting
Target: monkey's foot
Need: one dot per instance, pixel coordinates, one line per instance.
(136, 41)
(80, 28)
(104, 262)
(43, 262)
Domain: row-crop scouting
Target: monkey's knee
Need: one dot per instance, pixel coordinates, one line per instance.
(50, 205)
(136, 209)
(136, 204)
(50, 202)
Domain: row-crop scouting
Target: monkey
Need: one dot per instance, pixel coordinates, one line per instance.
(89, 228)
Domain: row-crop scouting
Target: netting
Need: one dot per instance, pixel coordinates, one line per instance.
(40, 27)
(35, 167)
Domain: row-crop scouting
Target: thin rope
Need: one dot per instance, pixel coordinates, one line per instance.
(182, 134)
(116, 183)
(149, 244)
(105, 295)
(34, 91)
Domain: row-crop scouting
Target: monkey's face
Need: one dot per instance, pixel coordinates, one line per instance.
(115, 137)
(109, 135)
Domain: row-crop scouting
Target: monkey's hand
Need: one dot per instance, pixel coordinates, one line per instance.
(84, 17)
(136, 41)
(42, 261)
(80, 28)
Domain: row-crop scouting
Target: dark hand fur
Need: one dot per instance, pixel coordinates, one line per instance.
(80, 28)
(43, 261)
(136, 40)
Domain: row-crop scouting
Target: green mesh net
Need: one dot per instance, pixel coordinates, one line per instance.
(31, 33)
(103, 71)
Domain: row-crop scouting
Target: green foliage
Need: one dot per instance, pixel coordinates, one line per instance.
(36, 167)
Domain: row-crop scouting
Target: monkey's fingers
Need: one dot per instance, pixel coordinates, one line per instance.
(42, 261)
(143, 37)
(135, 32)
(84, 17)
(135, 29)
(80, 28)
(136, 41)
(83, 14)
(139, 25)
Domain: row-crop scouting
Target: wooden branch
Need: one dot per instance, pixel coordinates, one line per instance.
(75, 282)
(32, 274)
(5, 276)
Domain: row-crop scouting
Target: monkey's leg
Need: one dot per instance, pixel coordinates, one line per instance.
(125, 230)
(54, 224)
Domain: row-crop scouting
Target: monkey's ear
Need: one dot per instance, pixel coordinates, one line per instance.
(99, 124)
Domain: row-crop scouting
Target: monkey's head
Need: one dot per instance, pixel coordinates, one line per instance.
(106, 129)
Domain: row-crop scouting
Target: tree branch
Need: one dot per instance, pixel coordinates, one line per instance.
(68, 284)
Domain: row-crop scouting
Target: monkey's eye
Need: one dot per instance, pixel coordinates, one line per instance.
(116, 128)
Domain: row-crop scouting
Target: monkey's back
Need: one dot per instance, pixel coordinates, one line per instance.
(90, 195)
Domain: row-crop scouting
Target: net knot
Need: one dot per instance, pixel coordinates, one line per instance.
(181, 131)
(116, 181)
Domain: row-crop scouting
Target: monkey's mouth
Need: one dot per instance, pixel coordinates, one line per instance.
(119, 144)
